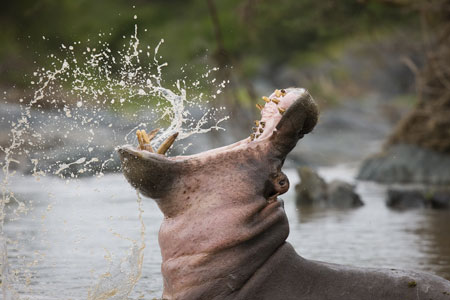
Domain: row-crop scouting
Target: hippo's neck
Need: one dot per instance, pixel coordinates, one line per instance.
(211, 254)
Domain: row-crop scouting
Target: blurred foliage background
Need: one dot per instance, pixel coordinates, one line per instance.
(250, 36)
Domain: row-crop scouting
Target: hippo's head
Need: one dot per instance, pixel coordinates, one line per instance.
(223, 200)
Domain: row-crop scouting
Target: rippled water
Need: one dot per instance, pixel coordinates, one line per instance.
(77, 229)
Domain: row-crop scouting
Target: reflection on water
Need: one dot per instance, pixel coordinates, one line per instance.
(76, 230)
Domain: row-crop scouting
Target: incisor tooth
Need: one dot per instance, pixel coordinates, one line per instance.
(167, 143)
(266, 99)
(152, 134)
(145, 137)
(259, 106)
(140, 141)
(146, 142)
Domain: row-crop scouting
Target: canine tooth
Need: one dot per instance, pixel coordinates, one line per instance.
(278, 93)
(261, 130)
(167, 143)
(256, 123)
(281, 110)
(266, 99)
(276, 101)
(259, 106)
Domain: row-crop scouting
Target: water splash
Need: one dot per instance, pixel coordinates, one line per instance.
(71, 123)
(119, 281)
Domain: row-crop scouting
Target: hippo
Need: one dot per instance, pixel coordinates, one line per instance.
(224, 230)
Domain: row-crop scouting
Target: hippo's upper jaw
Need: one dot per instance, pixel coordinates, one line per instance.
(286, 116)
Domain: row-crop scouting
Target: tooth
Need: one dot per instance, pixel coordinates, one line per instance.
(252, 136)
(152, 134)
(257, 123)
(145, 137)
(278, 93)
(261, 130)
(266, 99)
(167, 143)
(276, 101)
(146, 141)
(140, 141)
(281, 110)
(254, 129)
(263, 124)
(257, 136)
(259, 106)
(283, 92)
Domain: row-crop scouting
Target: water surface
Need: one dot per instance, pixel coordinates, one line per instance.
(76, 230)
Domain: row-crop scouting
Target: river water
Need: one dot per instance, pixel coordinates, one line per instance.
(77, 230)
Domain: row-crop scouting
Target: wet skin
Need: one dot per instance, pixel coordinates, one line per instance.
(224, 231)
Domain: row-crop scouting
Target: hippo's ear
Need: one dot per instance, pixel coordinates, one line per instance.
(153, 175)
(298, 120)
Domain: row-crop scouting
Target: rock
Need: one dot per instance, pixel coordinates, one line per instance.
(342, 195)
(441, 199)
(403, 198)
(314, 191)
(407, 164)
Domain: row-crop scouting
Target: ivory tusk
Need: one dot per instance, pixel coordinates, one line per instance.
(167, 143)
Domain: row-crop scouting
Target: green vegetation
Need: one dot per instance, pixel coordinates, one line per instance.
(249, 34)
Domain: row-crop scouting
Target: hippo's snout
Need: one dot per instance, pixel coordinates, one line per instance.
(151, 174)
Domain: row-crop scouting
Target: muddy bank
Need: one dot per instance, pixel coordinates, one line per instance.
(418, 150)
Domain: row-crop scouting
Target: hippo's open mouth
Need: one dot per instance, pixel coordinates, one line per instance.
(271, 113)
(286, 115)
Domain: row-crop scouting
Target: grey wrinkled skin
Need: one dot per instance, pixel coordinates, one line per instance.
(224, 232)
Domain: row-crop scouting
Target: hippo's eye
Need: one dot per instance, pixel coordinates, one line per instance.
(282, 182)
